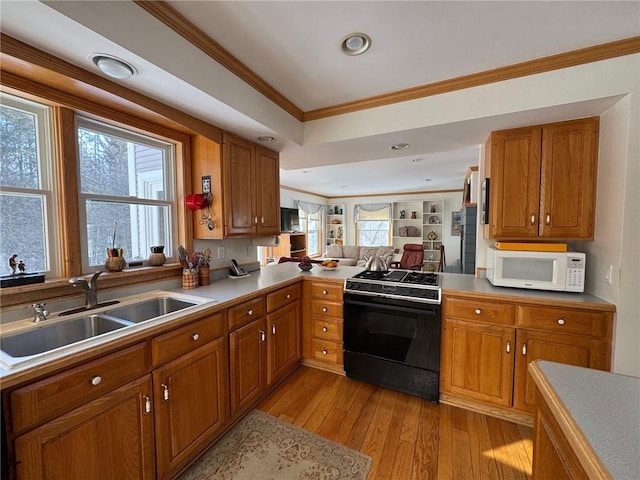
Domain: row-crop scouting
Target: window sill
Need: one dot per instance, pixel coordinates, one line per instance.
(60, 288)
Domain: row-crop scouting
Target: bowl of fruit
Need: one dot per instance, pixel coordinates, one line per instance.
(305, 264)
(329, 264)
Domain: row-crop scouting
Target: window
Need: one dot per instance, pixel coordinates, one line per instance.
(126, 193)
(373, 225)
(27, 194)
(310, 224)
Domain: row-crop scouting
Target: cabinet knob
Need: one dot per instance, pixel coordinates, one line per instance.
(548, 219)
(195, 337)
(250, 312)
(147, 404)
(324, 292)
(325, 352)
(96, 380)
(325, 309)
(533, 218)
(325, 329)
(508, 347)
(478, 311)
(560, 321)
(165, 393)
(288, 296)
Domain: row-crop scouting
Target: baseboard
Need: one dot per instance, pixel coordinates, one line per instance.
(328, 367)
(508, 414)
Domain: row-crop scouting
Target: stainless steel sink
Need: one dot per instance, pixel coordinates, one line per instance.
(148, 309)
(49, 337)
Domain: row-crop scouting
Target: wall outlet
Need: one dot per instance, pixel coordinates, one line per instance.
(220, 253)
(608, 274)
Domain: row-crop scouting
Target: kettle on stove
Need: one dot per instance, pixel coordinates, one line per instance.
(375, 263)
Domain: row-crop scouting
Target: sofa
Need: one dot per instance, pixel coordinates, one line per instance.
(355, 255)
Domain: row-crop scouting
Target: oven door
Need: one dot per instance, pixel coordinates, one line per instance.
(393, 343)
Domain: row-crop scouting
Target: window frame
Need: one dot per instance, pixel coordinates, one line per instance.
(358, 229)
(47, 184)
(317, 217)
(169, 181)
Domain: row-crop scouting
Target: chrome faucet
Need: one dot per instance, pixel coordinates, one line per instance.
(39, 313)
(90, 288)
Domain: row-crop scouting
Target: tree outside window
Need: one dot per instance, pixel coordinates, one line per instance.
(373, 226)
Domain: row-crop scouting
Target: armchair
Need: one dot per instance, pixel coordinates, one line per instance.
(412, 257)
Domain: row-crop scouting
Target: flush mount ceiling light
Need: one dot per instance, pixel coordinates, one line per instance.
(113, 66)
(399, 146)
(356, 43)
(266, 138)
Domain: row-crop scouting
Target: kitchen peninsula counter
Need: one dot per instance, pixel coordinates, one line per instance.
(599, 415)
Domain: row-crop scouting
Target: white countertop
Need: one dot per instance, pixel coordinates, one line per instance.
(606, 408)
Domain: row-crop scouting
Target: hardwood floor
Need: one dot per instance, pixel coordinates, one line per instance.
(407, 437)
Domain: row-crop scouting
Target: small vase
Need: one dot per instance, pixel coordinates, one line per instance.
(157, 256)
(115, 261)
(189, 278)
(203, 275)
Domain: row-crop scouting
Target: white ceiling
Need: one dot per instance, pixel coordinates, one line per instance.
(295, 47)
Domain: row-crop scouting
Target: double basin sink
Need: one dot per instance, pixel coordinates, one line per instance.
(47, 337)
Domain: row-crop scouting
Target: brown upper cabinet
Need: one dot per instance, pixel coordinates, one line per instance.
(245, 183)
(543, 181)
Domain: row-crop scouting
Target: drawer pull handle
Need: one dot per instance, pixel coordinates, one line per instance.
(478, 311)
(262, 336)
(165, 393)
(250, 312)
(195, 337)
(325, 309)
(96, 380)
(325, 352)
(288, 296)
(533, 218)
(560, 321)
(147, 405)
(548, 219)
(325, 329)
(524, 349)
(508, 347)
(324, 292)
(273, 329)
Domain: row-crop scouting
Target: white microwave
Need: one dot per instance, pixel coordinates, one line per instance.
(559, 271)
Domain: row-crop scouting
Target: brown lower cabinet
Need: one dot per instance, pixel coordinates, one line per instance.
(487, 345)
(109, 437)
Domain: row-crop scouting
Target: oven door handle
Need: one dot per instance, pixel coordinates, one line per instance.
(395, 308)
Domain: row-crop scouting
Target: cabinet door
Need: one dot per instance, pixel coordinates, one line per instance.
(110, 437)
(562, 348)
(283, 348)
(267, 196)
(568, 183)
(239, 186)
(190, 404)
(515, 183)
(477, 361)
(247, 364)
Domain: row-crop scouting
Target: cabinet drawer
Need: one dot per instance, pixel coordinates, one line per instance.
(328, 329)
(283, 297)
(327, 291)
(55, 395)
(327, 309)
(184, 339)
(563, 320)
(245, 312)
(479, 311)
(327, 351)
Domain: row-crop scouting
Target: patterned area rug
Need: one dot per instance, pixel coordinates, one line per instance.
(261, 447)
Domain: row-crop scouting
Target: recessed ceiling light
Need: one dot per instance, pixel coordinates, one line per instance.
(344, 186)
(112, 66)
(356, 43)
(399, 146)
(416, 160)
(266, 138)
(306, 171)
(427, 179)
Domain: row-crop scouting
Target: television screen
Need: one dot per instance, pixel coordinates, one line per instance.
(289, 221)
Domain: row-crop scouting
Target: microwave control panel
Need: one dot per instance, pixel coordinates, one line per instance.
(575, 273)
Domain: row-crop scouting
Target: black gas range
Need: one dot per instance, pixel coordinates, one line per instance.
(399, 284)
(391, 330)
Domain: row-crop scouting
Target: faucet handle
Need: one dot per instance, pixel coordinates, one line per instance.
(39, 312)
